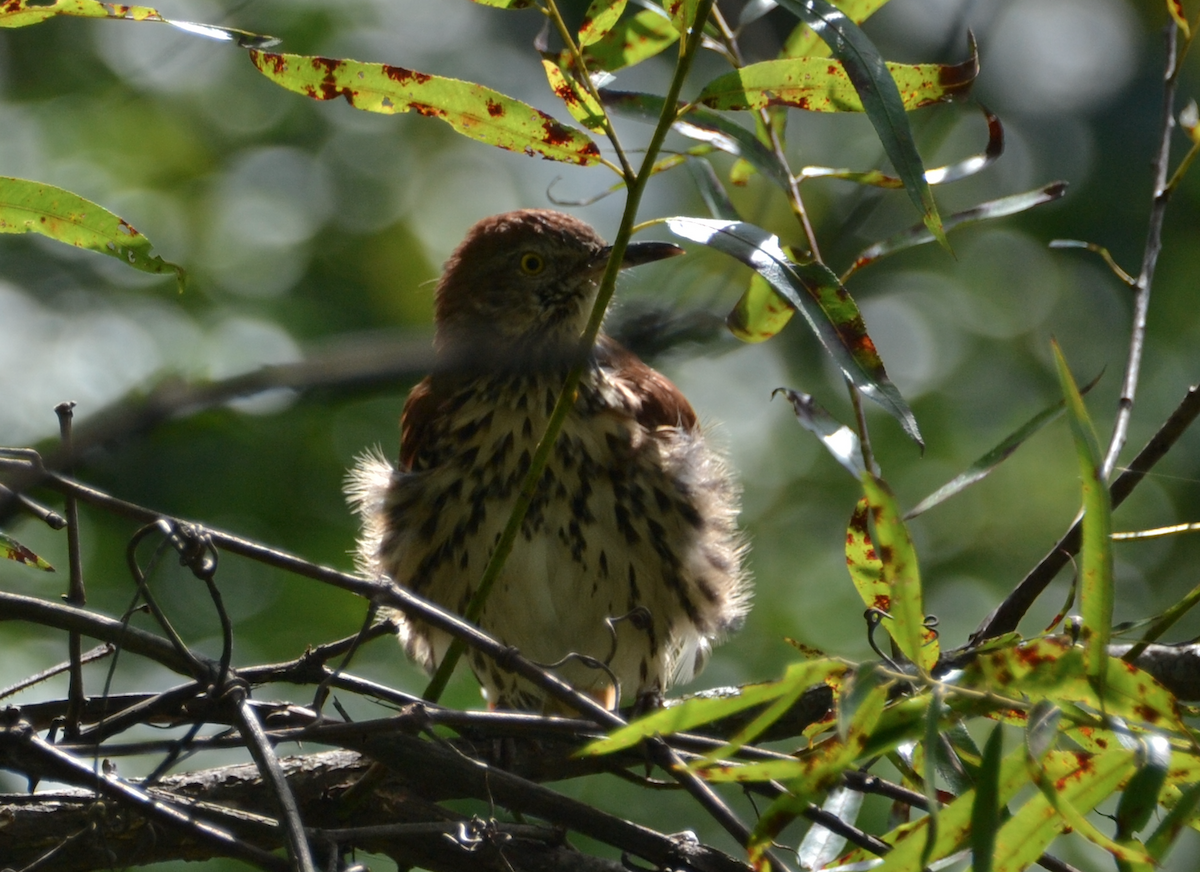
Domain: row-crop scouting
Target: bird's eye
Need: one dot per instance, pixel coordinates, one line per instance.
(532, 264)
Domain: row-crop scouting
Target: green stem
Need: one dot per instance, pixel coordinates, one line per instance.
(566, 399)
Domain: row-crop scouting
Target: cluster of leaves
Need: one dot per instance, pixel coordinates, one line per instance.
(1092, 726)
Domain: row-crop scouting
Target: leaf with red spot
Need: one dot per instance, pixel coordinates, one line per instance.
(683, 13)
(822, 85)
(22, 13)
(900, 577)
(920, 235)
(506, 4)
(631, 41)
(880, 98)
(816, 293)
(581, 104)
(1096, 561)
(1175, 8)
(32, 207)
(599, 20)
(11, 549)
(473, 110)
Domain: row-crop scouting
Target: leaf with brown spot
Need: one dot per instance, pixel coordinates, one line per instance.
(32, 207)
(22, 13)
(11, 549)
(804, 42)
(815, 292)
(631, 41)
(581, 104)
(473, 110)
(599, 20)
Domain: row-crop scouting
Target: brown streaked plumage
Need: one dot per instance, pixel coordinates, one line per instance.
(629, 554)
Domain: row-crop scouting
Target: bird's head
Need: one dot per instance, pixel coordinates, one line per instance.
(520, 286)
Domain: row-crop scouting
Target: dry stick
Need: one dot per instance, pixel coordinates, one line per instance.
(35, 756)
(75, 591)
(1141, 300)
(1008, 614)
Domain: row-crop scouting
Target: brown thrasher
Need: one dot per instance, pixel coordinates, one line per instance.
(629, 555)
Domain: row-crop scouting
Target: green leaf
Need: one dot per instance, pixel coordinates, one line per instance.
(22, 13)
(631, 41)
(919, 235)
(821, 85)
(840, 440)
(1095, 563)
(506, 4)
(32, 207)
(695, 712)
(1177, 818)
(898, 562)
(1139, 799)
(11, 549)
(980, 469)
(985, 810)
(581, 104)
(599, 19)
(682, 12)
(813, 290)
(804, 42)
(473, 110)
(820, 846)
(880, 98)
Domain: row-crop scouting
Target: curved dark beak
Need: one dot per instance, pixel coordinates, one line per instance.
(638, 253)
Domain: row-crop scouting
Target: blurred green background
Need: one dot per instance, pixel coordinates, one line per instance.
(303, 224)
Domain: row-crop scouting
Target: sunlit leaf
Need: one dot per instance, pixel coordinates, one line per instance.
(703, 126)
(695, 712)
(980, 469)
(820, 846)
(813, 290)
(898, 559)
(821, 85)
(1189, 121)
(599, 19)
(1139, 799)
(506, 4)
(21, 13)
(32, 207)
(920, 235)
(803, 42)
(840, 440)
(473, 110)
(760, 313)
(880, 98)
(682, 12)
(11, 549)
(1175, 8)
(1095, 563)
(582, 105)
(631, 41)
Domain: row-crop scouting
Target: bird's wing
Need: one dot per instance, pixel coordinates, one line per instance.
(657, 402)
(417, 422)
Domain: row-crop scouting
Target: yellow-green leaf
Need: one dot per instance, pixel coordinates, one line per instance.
(473, 110)
(583, 106)
(803, 41)
(822, 85)
(32, 207)
(599, 19)
(11, 549)
(631, 41)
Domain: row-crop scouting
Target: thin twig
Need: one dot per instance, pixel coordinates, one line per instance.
(76, 595)
(1141, 304)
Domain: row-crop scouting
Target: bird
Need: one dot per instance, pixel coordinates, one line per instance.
(629, 564)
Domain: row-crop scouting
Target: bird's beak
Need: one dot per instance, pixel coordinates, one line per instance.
(637, 253)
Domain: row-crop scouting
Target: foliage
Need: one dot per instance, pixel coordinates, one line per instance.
(1087, 727)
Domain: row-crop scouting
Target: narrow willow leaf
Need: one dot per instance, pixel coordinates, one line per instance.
(938, 176)
(506, 4)
(599, 20)
(32, 207)
(473, 110)
(1139, 799)
(803, 42)
(840, 440)
(813, 290)
(880, 98)
(703, 126)
(980, 469)
(1175, 8)
(866, 572)
(11, 549)
(631, 41)
(760, 313)
(985, 811)
(582, 105)
(894, 549)
(820, 846)
(695, 712)
(1177, 818)
(21, 13)
(920, 235)
(1104, 253)
(1095, 563)
(715, 199)
(821, 85)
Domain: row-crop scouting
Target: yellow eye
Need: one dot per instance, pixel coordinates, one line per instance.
(532, 264)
